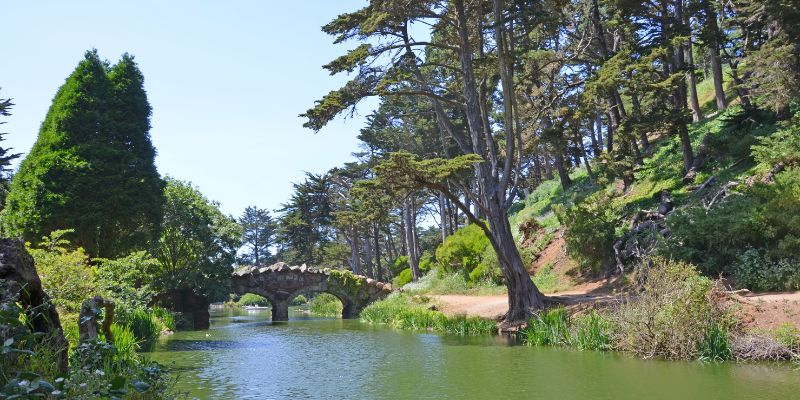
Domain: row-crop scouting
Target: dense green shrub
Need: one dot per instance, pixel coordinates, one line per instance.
(65, 273)
(398, 265)
(403, 278)
(781, 147)
(462, 251)
(252, 299)
(326, 304)
(28, 366)
(437, 282)
(427, 262)
(590, 231)
(759, 273)
(764, 217)
(127, 280)
(299, 301)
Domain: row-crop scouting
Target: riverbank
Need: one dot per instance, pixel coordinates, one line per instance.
(672, 312)
(767, 310)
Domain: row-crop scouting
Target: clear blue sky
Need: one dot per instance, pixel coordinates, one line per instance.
(226, 81)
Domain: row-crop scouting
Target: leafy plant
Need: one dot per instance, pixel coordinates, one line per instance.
(590, 231)
(326, 304)
(252, 299)
(548, 328)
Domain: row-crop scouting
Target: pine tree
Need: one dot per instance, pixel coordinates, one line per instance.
(5, 157)
(91, 168)
(258, 235)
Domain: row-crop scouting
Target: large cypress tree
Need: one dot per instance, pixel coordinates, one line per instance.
(91, 168)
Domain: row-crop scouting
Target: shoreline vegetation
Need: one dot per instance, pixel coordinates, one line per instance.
(675, 313)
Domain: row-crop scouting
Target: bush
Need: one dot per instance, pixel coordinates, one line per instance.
(764, 217)
(426, 262)
(403, 278)
(781, 147)
(437, 282)
(590, 231)
(673, 315)
(299, 301)
(326, 304)
(399, 264)
(252, 299)
(463, 251)
(66, 274)
(127, 280)
(758, 273)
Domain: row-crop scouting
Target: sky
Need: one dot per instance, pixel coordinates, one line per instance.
(226, 81)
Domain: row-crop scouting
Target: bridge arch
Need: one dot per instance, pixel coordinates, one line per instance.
(280, 283)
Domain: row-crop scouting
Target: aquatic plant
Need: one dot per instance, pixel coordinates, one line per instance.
(548, 328)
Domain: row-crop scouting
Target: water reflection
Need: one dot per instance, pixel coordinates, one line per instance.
(244, 356)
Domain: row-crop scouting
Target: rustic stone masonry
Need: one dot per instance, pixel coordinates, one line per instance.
(280, 283)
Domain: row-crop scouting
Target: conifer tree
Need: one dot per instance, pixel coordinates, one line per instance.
(91, 168)
(5, 157)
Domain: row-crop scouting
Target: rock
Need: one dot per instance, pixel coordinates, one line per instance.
(17, 272)
(88, 319)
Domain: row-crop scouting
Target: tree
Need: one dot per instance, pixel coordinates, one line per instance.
(92, 166)
(305, 222)
(198, 244)
(258, 235)
(5, 157)
(396, 66)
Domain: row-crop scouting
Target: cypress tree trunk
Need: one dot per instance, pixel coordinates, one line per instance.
(563, 174)
(712, 41)
(378, 266)
(697, 114)
(354, 252)
(410, 239)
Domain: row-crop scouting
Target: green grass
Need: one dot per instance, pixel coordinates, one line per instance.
(715, 345)
(403, 311)
(593, 332)
(549, 328)
(548, 281)
(451, 283)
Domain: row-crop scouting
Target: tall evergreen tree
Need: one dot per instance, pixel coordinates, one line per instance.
(91, 168)
(258, 235)
(5, 157)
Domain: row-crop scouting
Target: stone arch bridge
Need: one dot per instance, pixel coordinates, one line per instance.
(281, 283)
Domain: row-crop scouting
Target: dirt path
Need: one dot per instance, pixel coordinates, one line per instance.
(497, 305)
(761, 310)
(770, 310)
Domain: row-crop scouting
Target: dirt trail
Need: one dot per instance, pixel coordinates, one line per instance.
(770, 310)
(762, 310)
(497, 305)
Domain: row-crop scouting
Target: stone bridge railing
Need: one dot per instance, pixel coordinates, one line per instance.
(281, 283)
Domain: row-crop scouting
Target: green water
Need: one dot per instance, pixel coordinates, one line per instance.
(244, 356)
